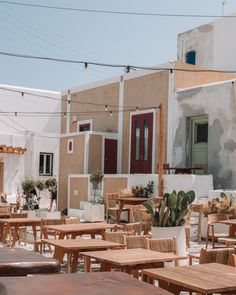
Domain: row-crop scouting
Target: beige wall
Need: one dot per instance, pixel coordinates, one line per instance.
(81, 186)
(95, 153)
(69, 164)
(104, 95)
(111, 185)
(185, 79)
(146, 91)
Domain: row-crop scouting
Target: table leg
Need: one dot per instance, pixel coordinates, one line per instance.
(15, 234)
(120, 210)
(74, 267)
(58, 254)
(87, 264)
(1, 231)
(68, 265)
(6, 231)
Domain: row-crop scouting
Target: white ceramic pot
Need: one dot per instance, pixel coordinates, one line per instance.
(169, 232)
(93, 212)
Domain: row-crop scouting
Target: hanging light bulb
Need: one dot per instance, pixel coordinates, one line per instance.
(15, 114)
(106, 109)
(22, 94)
(64, 114)
(127, 70)
(137, 109)
(111, 113)
(85, 65)
(69, 101)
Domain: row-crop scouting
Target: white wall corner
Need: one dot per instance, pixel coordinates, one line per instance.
(120, 125)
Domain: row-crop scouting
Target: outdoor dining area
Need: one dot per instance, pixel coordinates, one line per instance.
(71, 256)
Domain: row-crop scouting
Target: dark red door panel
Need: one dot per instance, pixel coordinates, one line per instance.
(141, 143)
(110, 157)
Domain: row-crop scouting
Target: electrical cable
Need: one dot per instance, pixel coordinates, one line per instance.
(116, 12)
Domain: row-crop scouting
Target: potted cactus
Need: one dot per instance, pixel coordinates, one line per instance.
(169, 217)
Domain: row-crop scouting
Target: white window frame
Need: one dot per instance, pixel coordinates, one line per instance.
(68, 146)
(45, 154)
(84, 122)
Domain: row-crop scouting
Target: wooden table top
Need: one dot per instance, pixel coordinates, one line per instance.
(229, 221)
(26, 220)
(20, 262)
(70, 228)
(202, 278)
(100, 283)
(81, 244)
(133, 199)
(132, 256)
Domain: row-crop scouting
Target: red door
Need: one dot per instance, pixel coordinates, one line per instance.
(110, 159)
(141, 143)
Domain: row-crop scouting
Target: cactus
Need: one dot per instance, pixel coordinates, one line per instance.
(172, 210)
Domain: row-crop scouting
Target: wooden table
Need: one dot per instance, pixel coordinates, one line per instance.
(73, 247)
(99, 283)
(202, 278)
(129, 201)
(81, 229)
(232, 226)
(129, 260)
(6, 224)
(20, 262)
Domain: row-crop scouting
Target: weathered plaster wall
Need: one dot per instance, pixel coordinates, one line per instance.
(218, 102)
(199, 39)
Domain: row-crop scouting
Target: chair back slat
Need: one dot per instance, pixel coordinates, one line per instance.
(136, 241)
(19, 215)
(166, 245)
(117, 237)
(136, 227)
(216, 255)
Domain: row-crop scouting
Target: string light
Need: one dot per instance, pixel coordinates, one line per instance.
(15, 114)
(69, 101)
(22, 94)
(106, 109)
(111, 113)
(85, 65)
(127, 70)
(64, 114)
(137, 109)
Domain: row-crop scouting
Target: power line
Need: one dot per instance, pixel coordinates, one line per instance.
(125, 66)
(116, 12)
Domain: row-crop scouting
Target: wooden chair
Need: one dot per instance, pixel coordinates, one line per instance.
(138, 213)
(132, 242)
(221, 255)
(136, 227)
(194, 219)
(45, 233)
(165, 245)
(72, 220)
(112, 205)
(22, 232)
(212, 219)
(232, 260)
(166, 168)
(117, 237)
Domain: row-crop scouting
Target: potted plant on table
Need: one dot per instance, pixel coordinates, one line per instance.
(94, 211)
(168, 217)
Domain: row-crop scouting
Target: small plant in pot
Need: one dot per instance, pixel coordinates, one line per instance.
(96, 178)
(169, 216)
(172, 210)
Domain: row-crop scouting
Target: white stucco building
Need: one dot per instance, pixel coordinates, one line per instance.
(213, 43)
(26, 121)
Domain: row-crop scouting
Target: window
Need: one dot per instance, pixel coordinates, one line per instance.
(84, 127)
(191, 57)
(70, 146)
(201, 133)
(46, 164)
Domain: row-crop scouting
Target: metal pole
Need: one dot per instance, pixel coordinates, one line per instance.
(161, 151)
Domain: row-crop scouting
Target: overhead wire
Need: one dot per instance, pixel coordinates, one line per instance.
(100, 11)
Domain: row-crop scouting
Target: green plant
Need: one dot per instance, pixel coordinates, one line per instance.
(39, 184)
(95, 178)
(50, 183)
(172, 210)
(140, 191)
(27, 185)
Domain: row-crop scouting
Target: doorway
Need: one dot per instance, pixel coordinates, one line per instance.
(110, 157)
(141, 143)
(198, 136)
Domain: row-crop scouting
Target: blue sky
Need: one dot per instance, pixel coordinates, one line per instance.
(118, 39)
